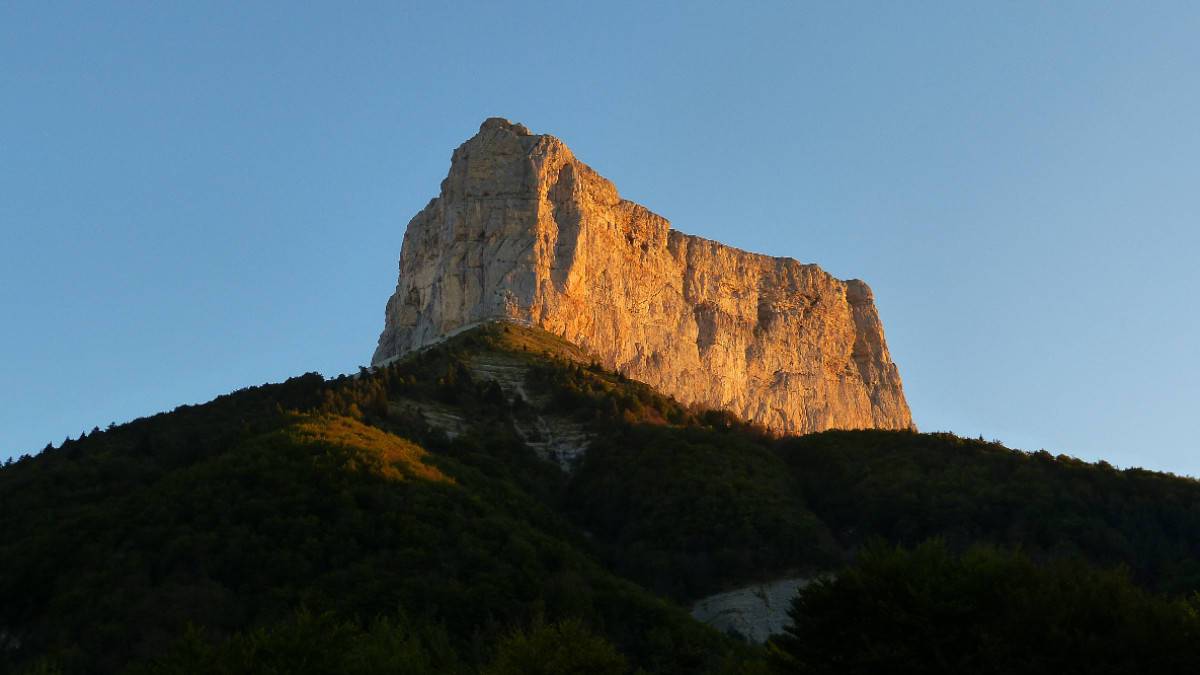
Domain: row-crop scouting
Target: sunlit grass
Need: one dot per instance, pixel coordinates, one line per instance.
(374, 450)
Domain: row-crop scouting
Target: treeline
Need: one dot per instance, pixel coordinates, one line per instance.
(986, 610)
(649, 482)
(232, 514)
(688, 511)
(908, 487)
(330, 515)
(311, 644)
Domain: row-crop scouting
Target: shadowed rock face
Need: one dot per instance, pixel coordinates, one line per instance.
(523, 231)
(755, 612)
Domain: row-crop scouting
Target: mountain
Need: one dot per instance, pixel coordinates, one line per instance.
(572, 456)
(501, 503)
(524, 231)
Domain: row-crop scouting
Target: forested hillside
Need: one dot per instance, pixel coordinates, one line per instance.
(500, 504)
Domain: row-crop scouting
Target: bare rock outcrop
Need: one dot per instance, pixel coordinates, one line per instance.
(756, 612)
(525, 232)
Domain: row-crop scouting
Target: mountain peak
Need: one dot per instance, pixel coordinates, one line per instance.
(501, 123)
(524, 232)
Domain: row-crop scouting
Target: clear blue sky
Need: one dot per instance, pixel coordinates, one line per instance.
(196, 197)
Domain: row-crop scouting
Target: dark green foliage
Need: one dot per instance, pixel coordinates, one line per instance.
(565, 648)
(986, 611)
(311, 644)
(686, 510)
(590, 393)
(114, 547)
(409, 543)
(907, 487)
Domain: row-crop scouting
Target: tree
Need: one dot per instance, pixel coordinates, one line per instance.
(565, 648)
(928, 610)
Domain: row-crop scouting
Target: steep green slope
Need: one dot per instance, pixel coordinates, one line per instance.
(443, 502)
(688, 511)
(908, 487)
(236, 513)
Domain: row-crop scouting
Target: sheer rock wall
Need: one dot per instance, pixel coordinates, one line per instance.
(523, 231)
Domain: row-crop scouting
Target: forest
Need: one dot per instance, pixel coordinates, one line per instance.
(341, 526)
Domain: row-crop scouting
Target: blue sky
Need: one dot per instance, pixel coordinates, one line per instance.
(204, 196)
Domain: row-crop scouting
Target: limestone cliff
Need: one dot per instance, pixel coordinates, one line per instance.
(756, 612)
(523, 231)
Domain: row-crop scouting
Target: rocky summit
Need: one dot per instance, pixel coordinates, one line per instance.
(524, 232)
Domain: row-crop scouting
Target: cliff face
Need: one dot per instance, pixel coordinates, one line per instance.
(524, 231)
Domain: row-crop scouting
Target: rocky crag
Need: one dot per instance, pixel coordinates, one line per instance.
(755, 612)
(523, 231)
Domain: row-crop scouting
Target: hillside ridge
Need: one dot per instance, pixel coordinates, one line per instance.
(430, 499)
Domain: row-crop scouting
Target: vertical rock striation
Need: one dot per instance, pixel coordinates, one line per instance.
(525, 232)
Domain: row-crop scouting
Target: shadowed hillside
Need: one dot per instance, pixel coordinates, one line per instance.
(499, 495)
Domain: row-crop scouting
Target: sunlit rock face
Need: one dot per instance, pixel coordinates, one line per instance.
(523, 231)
